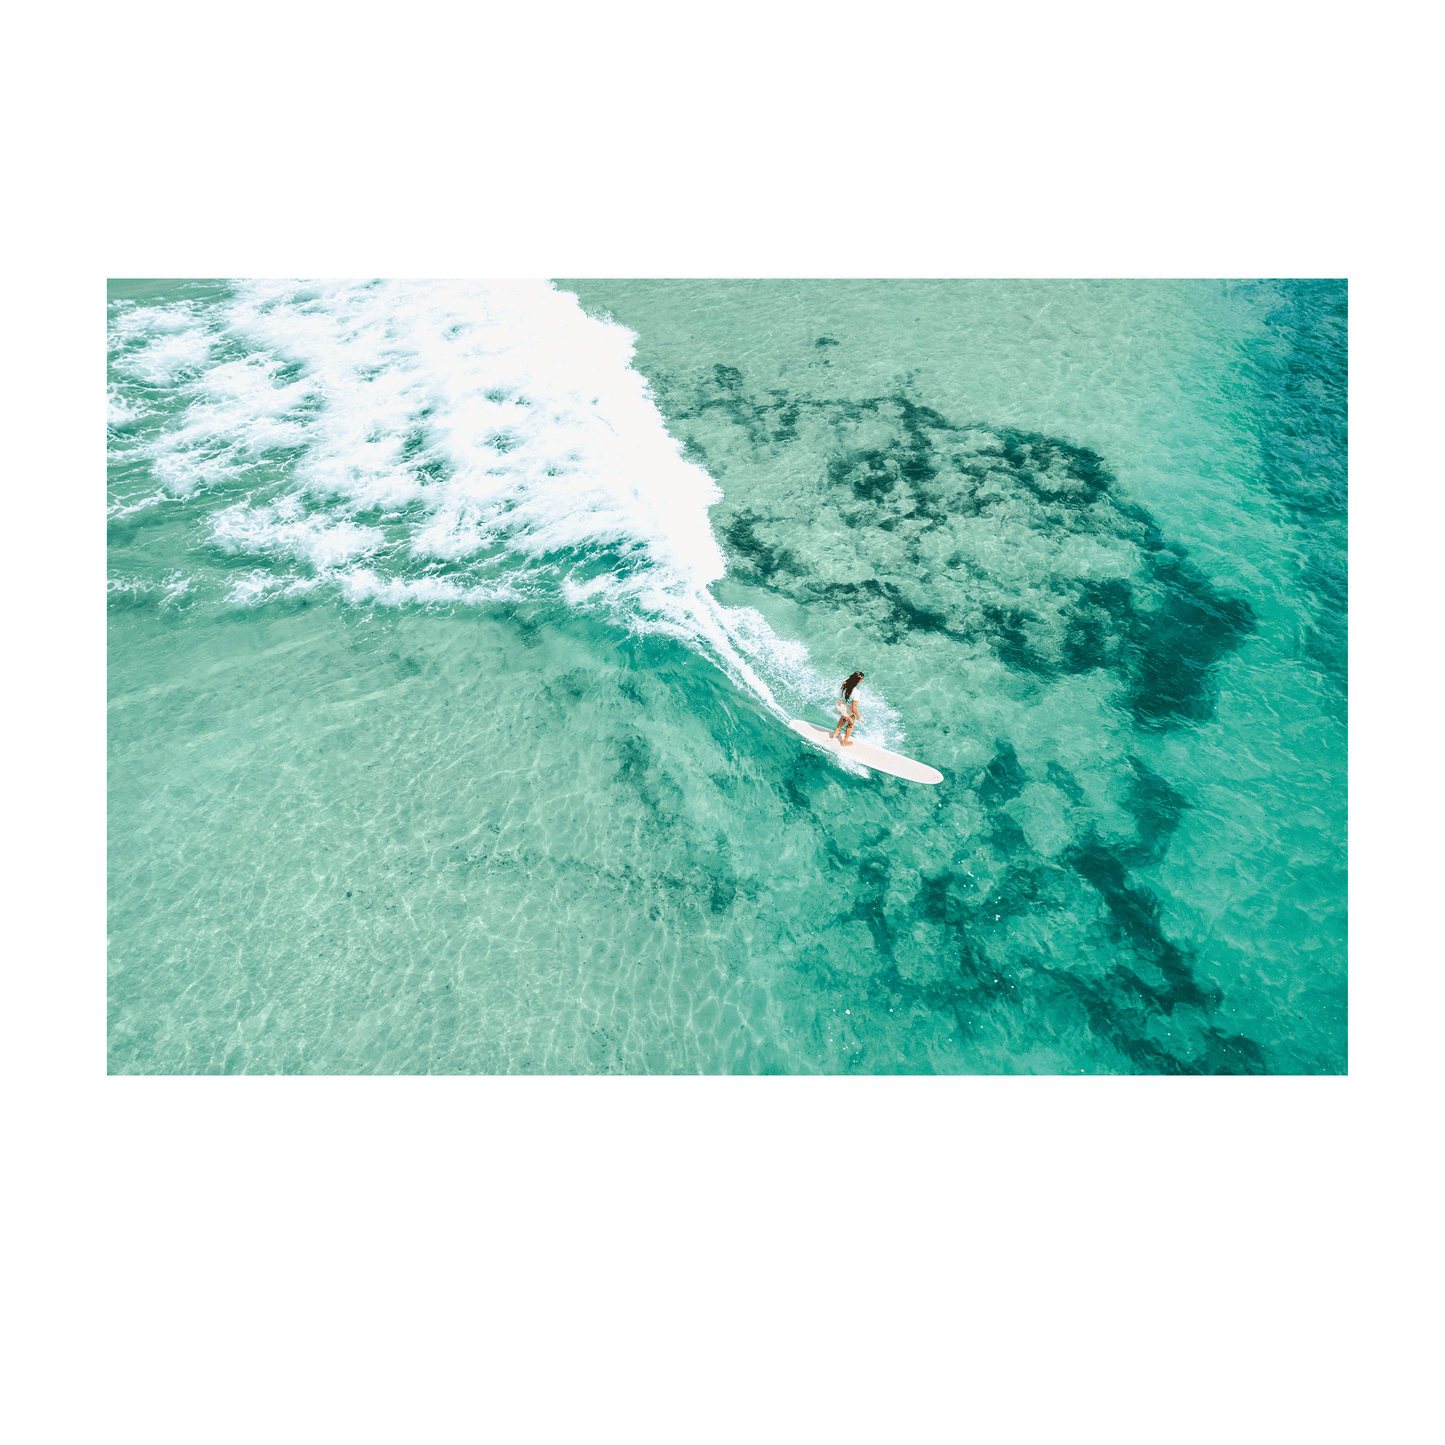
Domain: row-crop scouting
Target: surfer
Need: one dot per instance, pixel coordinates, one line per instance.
(847, 708)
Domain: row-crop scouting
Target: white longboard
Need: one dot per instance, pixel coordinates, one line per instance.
(869, 755)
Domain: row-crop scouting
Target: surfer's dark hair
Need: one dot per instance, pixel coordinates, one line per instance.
(850, 684)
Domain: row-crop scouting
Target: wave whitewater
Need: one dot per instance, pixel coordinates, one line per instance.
(439, 443)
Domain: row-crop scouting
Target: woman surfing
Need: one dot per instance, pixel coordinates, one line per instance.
(868, 754)
(846, 706)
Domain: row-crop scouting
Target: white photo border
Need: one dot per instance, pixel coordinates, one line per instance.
(84, 1096)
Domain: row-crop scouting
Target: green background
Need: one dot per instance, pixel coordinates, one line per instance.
(989, 1286)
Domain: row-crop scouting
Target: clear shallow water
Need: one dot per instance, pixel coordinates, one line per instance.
(447, 677)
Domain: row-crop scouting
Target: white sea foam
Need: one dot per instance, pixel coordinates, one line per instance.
(134, 585)
(257, 586)
(128, 505)
(494, 425)
(121, 410)
(364, 585)
(282, 530)
(166, 358)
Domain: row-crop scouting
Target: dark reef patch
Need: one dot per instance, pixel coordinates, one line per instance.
(1128, 1005)
(973, 534)
(939, 495)
(921, 526)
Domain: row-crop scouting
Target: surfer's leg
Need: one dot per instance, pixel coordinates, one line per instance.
(848, 736)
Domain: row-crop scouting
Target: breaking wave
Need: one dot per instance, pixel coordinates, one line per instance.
(433, 443)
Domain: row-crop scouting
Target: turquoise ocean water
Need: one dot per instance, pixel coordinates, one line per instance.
(454, 628)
